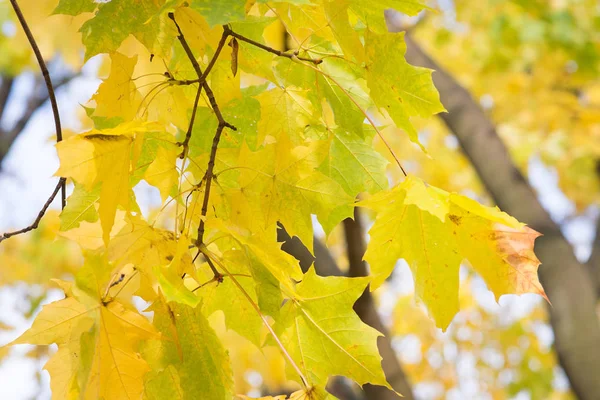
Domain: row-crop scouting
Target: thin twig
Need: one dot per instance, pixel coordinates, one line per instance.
(188, 134)
(219, 279)
(213, 103)
(49, 86)
(201, 80)
(35, 223)
(280, 53)
(213, 279)
(209, 176)
(217, 275)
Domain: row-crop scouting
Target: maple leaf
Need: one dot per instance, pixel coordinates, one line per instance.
(266, 137)
(97, 335)
(190, 360)
(261, 257)
(372, 13)
(104, 157)
(354, 164)
(117, 98)
(283, 185)
(325, 336)
(114, 21)
(284, 111)
(80, 207)
(434, 231)
(401, 89)
(149, 249)
(226, 297)
(222, 12)
(162, 172)
(74, 7)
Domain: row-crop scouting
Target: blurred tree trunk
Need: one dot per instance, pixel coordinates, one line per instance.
(594, 260)
(566, 281)
(35, 100)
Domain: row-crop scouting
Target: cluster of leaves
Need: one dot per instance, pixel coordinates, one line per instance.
(239, 136)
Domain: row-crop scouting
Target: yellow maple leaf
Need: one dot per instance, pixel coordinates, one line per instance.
(434, 231)
(97, 337)
(117, 96)
(104, 156)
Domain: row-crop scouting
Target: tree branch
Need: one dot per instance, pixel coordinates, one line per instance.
(35, 223)
(222, 123)
(201, 80)
(325, 265)
(46, 75)
(566, 281)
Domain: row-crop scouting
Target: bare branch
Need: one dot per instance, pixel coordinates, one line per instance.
(201, 80)
(355, 250)
(48, 81)
(35, 223)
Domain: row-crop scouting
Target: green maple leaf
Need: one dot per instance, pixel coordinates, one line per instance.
(80, 207)
(280, 185)
(399, 88)
(221, 12)
(325, 336)
(353, 163)
(75, 7)
(191, 360)
(117, 19)
(240, 316)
